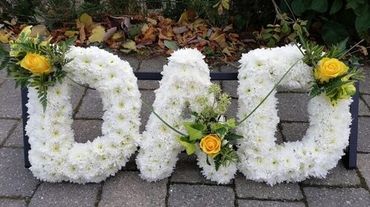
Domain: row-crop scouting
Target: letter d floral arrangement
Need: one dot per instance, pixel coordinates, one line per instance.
(35, 62)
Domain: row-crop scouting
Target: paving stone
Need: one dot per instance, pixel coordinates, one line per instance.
(128, 189)
(91, 106)
(293, 106)
(65, 194)
(365, 85)
(183, 157)
(200, 195)
(366, 98)
(339, 176)
(153, 64)
(5, 127)
(256, 203)
(16, 138)
(133, 61)
(147, 97)
(250, 189)
(12, 203)
(231, 88)
(231, 67)
(337, 197)
(10, 101)
(86, 130)
(15, 180)
(3, 76)
(214, 68)
(148, 84)
(77, 93)
(364, 134)
(233, 109)
(364, 109)
(294, 131)
(363, 165)
(188, 172)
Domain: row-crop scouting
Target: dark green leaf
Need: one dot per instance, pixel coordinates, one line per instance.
(299, 6)
(363, 21)
(333, 32)
(336, 6)
(207, 160)
(189, 147)
(232, 136)
(221, 132)
(319, 5)
(195, 131)
(171, 45)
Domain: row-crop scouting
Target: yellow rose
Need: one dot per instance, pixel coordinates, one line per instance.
(211, 144)
(36, 63)
(329, 68)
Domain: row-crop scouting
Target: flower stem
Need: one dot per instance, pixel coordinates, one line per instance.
(160, 118)
(265, 98)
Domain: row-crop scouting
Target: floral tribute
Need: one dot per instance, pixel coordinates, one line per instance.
(222, 144)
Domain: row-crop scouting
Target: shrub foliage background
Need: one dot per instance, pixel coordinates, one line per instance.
(334, 20)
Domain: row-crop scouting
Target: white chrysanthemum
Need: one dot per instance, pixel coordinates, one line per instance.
(54, 154)
(322, 146)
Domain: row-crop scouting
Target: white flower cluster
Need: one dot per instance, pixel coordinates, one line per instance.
(185, 79)
(261, 159)
(54, 154)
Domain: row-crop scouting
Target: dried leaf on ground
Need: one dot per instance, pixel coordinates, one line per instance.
(86, 20)
(180, 30)
(153, 34)
(82, 37)
(110, 32)
(171, 45)
(5, 36)
(71, 33)
(97, 34)
(39, 30)
(129, 46)
(148, 37)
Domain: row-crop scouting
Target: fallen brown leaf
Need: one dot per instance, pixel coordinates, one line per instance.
(109, 33)
(97, 34)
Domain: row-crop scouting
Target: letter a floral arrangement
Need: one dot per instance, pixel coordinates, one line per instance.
(223, 145)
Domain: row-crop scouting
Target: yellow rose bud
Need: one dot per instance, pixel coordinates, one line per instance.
(329, 68)
(211, 144)
(347, 90)
(36, 63)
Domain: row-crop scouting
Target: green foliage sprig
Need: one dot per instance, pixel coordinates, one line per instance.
(211, 121)
(25, 44)
(284, 31)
